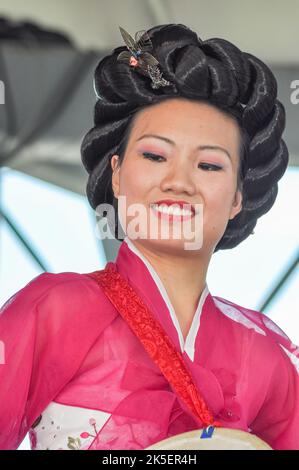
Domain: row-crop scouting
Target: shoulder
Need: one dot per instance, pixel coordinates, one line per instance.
(67, 296)
(266, 337)
(46, 283)
(250, 319)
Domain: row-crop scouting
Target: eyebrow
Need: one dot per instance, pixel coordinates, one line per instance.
(200, 147)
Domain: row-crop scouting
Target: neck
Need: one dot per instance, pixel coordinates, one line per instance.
(184, 277)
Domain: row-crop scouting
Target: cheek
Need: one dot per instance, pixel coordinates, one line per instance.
(136, 181)
(131, 185)
(218, 201)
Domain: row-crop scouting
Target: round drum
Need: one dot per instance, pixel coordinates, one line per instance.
(221, 439)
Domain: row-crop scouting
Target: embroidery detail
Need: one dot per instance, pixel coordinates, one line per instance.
(85, 434)
(153, 338)
(75, 443)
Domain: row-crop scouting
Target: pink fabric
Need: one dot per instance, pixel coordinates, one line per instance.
(65, 342)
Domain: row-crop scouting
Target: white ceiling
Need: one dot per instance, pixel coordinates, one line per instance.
(267, 28)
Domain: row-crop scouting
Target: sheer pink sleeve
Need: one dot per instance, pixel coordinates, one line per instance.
(289, 437)
(46, 330)
(278, 419)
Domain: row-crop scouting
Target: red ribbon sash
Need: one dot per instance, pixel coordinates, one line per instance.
(153, 338)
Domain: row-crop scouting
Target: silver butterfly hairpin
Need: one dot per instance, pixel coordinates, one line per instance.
(138, 56)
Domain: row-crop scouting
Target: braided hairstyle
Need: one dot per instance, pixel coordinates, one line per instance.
(213, 71)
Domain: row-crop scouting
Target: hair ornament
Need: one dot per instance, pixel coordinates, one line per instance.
(140, 58)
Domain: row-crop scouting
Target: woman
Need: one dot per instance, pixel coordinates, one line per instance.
(141, 351)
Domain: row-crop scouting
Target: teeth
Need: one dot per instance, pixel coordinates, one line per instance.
(171, 210)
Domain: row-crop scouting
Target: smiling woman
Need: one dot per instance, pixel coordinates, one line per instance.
(141, 351)
(213, 72)
(198, 137)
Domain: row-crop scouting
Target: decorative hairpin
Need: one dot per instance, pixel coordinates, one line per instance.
(138, 56)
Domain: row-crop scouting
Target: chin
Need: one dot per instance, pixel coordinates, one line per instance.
(173, 246)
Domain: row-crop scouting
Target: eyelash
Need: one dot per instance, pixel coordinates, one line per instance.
(154, 157)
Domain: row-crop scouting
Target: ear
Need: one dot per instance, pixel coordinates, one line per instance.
(115, 175)
(237, 204)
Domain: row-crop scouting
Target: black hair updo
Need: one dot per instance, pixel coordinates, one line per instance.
(213, 71)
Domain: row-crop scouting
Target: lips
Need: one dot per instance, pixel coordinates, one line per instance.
(180, 203)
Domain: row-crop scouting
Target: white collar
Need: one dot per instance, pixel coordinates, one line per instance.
(189, 344)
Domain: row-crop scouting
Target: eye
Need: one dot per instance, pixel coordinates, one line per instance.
(210, 167)
(152, 156)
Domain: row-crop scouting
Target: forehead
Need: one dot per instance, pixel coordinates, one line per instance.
(182, 119)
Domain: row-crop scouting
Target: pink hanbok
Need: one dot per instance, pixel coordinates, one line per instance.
(75, 376)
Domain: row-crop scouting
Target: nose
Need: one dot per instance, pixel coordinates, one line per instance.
(179, 179)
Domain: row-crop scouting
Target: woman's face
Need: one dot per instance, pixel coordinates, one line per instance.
(180, 161)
